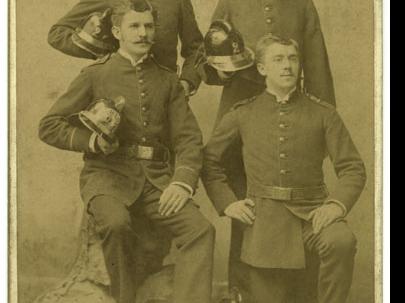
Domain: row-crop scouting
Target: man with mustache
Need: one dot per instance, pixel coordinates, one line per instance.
(296, 19)
(85, 32)
(134, 172)
(288, 211)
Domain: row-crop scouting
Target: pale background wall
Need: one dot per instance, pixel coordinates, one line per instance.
(49, 206)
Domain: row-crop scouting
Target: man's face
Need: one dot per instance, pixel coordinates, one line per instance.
(281, 66)
(136, 32)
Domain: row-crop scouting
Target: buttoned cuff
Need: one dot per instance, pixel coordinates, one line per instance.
(79, 140)
(187, 175)
(185, 186)
(192, 89)
(193, 78)
(342, 206)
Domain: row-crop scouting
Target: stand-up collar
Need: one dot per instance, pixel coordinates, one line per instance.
(127, 56)
(283, 100)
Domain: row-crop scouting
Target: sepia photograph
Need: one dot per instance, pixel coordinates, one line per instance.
(195, 151)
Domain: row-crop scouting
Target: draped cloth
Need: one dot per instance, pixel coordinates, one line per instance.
(88, 280)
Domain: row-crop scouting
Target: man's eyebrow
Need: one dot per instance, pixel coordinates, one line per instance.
(138, 23)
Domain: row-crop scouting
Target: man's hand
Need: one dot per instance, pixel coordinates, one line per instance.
(106, 147)
(173, 199)
(225, 76)
(241, 210)
(97, 23)
(186, 87)
(324, 216)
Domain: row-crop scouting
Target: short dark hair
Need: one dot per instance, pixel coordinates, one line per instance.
(121, 7)
(268, 40)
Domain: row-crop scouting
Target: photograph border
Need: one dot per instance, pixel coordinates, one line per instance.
(11, 156)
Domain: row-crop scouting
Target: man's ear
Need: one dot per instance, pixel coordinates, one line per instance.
(262, 71)
(116, 32)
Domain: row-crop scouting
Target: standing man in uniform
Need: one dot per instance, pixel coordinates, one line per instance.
(295, 19)
(85, 32)
(288, 210)
(134, 171)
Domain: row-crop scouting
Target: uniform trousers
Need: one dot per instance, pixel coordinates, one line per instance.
(335, 247)
(192, 234)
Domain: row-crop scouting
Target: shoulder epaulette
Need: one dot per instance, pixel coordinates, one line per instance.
(162, 66)
(243, 102)
(317, 100)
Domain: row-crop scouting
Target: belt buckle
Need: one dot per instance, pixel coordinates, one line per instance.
(145, 152)
(283, 193)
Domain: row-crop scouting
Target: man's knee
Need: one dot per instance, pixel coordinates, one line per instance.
(119, 223)
(110, 216)
(203, 227)
(210, 229)
(198, 229)
(340, 241)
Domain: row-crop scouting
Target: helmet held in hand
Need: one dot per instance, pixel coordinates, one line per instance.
(95, 36)
(103, 117)
(225, 49)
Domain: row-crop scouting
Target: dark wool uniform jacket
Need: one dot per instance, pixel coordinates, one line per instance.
(155, 114)
(284, 145)
(176, 20)
(289, 19)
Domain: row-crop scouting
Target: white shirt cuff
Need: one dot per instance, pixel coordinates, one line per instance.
(342, 206)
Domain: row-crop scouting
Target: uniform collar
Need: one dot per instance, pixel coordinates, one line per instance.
(127, 56)
(282, 100)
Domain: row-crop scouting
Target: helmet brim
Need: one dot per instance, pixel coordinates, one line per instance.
(88, 43)
(232, 63)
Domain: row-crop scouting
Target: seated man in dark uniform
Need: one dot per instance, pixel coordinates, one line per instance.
(296, 19)
(134, 170)
(288, 210)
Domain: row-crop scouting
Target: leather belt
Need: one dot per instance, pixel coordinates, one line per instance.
(288, 193)
(143, 152)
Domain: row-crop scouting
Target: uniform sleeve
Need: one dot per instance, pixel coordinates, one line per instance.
(191, 39)
(186, 139)
(213, 174)
(60, 34)
(207, 73)
(317, 74)
(347, 162)
(56, 129)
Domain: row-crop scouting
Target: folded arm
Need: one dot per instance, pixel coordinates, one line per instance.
(56, 128)
(60, 34)
(191, 39)
(186, 139)
(347, 162)
(213, 174)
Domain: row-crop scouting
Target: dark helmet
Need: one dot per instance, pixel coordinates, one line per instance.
(225, 49)
(94, 36)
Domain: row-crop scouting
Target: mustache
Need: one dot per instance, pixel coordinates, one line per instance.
(145, 41)
(287, 72)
